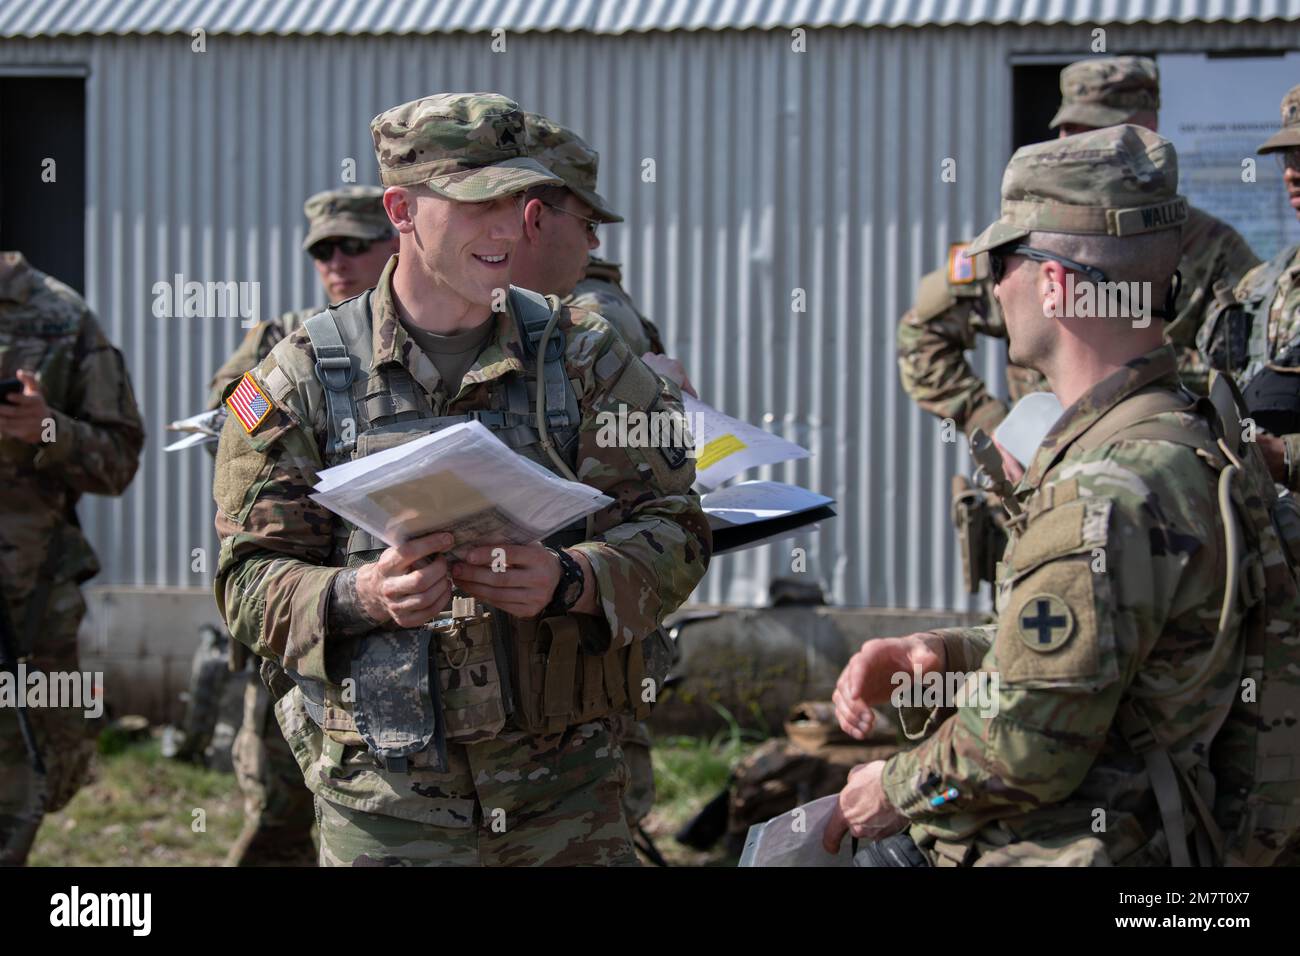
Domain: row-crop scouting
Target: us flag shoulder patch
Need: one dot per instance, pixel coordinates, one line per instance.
(961, 268)
(249, 403)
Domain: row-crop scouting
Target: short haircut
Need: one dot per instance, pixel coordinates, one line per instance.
(549, 194)
(1148, 257)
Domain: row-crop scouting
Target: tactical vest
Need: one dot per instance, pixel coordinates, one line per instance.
(1241, 800)
(1235, 339)
(463, 678)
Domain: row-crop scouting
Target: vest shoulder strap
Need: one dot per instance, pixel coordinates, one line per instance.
(337, 366)
(533, 313)
(1129, 421)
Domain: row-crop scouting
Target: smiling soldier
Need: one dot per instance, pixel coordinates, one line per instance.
(484, 740)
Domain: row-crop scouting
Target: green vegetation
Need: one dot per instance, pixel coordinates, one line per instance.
(139, 810)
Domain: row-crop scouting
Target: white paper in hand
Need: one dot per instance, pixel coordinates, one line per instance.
(463, 480)
(1027, 424)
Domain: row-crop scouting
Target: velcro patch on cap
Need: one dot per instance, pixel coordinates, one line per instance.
(961, 267)
(1133, 222)
(249, 403)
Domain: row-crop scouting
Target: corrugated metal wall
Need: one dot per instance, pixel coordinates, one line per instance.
(74, 17)
(775, 171)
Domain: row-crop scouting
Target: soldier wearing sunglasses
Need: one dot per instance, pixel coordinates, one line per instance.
(350, 241)
(954, 305)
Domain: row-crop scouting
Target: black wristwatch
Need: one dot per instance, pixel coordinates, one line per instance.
(568, 591)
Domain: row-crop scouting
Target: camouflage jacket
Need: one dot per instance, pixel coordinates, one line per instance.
(1212, 252)
(650, 549)
(256, 345)
(97, 432)
(601, 291)
(935, 334)
(1114, 579)
(1282, 305)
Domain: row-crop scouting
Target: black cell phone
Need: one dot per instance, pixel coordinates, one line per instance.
(9, 386)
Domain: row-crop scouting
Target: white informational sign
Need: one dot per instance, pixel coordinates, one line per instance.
(1216, 111)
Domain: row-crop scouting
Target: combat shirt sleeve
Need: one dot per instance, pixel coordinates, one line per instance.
(652, 545)
(933, 338)
(964, 649)
(98, 436)
(273, 585)
(1065, 646)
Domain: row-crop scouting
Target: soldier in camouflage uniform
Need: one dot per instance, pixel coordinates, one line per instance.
(350, 241)
(554, 256)
(1268, 296)
(956, 303)
(559, 231)
(321, 600)
(1118, 645)
(74, 429)
(601, 291)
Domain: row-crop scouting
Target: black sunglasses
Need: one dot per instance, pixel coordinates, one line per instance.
(998, 261)
(1288, 159)
(592, 224)
(323, 251)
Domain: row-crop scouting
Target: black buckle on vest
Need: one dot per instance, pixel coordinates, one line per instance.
(327, 365)
(490, 419)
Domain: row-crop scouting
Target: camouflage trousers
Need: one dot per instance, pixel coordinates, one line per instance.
(61, 733)
(633, 738)
(278, 812)
(514, 800)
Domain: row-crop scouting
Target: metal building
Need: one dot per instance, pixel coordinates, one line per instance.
(763, 154)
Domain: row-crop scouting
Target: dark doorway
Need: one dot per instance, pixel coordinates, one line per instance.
(1036, 95)
(1035, 98)
(43, 118)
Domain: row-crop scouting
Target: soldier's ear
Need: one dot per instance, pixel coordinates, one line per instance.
(399, 204)
(533, 210)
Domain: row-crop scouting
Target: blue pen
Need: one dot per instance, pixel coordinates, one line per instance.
(949, 794)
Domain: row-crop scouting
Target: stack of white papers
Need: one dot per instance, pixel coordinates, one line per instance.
(462, 480)
(751, 513)
(726, 446)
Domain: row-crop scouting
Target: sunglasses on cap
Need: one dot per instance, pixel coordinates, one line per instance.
(998, 261)
(323, 251)
(592, 224)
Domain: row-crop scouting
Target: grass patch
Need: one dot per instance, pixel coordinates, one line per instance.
(139, 811)
(139, 808)
(689, 772)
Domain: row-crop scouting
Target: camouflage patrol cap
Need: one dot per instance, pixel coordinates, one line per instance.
(464, 146)
(355, 212)
(1115, 181)
(568, 156)
(1107, 91)
(1289, 134)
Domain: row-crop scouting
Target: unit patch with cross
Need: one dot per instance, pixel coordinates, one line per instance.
(1056, 621)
